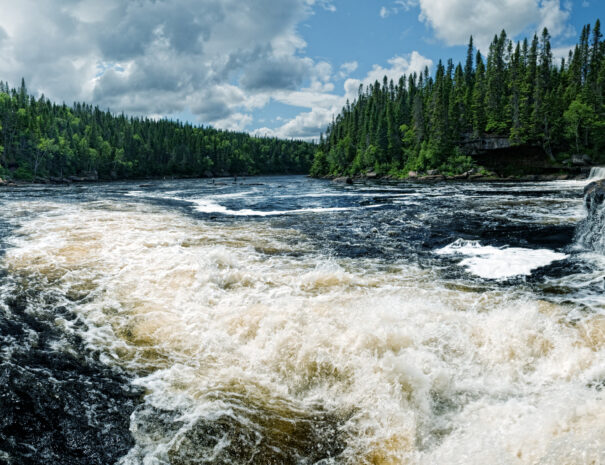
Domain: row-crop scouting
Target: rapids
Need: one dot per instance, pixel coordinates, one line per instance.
(285, 320)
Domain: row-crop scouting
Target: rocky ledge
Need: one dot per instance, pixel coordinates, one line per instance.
(594, 194)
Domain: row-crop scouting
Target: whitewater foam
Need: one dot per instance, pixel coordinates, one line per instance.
(274, 353)
(500, 262)
(596, 173)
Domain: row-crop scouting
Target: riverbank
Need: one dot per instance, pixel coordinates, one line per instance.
(472, 176)
(469, 176)
(79, 180)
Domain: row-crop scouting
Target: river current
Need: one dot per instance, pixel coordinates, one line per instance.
(287, 320)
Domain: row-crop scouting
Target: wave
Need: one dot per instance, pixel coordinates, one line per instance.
(210, 205)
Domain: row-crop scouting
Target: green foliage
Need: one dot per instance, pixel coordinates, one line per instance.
(458, 163)
(424, 122)
(40, 138)
(580, 118)
(320, 164)
(24, 172)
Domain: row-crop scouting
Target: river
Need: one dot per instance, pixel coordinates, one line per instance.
(287, 320)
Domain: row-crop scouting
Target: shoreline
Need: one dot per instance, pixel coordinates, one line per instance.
(462, 178)
(81, 181)
(432, 178)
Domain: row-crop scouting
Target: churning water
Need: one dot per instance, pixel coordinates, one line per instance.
(294, 321)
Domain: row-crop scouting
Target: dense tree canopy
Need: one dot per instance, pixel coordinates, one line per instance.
(425, 122)
(39, 138)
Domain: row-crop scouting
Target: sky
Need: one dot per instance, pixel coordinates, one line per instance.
(277, 68)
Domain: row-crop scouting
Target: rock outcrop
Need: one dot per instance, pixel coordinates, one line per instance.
(594, 194)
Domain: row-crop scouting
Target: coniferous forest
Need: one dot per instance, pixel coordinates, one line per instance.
(41, 140)
(518, 93)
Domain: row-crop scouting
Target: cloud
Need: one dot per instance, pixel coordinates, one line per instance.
(217, 61)
(347, 68)
(216, 58)
(555, 19)
(414, 62)
(276, 73)
(323, 107)
(397, 7)
(455, 20)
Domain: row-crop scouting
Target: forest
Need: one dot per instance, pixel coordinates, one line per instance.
(41, 140)
(519, 92)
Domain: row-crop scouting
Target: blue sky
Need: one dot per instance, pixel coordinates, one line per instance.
(269, 67)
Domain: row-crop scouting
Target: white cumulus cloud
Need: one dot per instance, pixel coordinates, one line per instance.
(454, 21)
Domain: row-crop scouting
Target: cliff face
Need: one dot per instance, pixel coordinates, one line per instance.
(498, 154)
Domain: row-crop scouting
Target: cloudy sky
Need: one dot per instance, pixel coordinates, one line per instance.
(272, 67)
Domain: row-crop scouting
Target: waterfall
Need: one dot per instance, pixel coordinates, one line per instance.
(596, 173)
(591, 231)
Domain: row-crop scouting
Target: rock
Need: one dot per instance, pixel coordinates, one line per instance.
(485, 144)
(208, 174)
(344, 179)
(91, 176)
(58, 180)
(41, 180)
(432, 178)
(432, 172)
(475, 176)
(587, 159)
(3, 182)
(412, 174)
(459, 177)
(87, 176)
(594, 193)
(371, 175)
(579, 160)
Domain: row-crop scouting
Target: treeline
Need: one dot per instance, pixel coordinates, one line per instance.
(425, 122)
(42, 139)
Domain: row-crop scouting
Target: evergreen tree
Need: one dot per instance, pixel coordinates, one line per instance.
(423, 122)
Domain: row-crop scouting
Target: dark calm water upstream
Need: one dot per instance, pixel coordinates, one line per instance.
(285, 320)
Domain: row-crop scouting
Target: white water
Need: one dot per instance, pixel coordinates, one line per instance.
(419, 371)
(500, 262)
(210, 204)
(596, 173)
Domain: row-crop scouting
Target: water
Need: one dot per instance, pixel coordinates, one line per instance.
(596, 173)
(296, 321)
